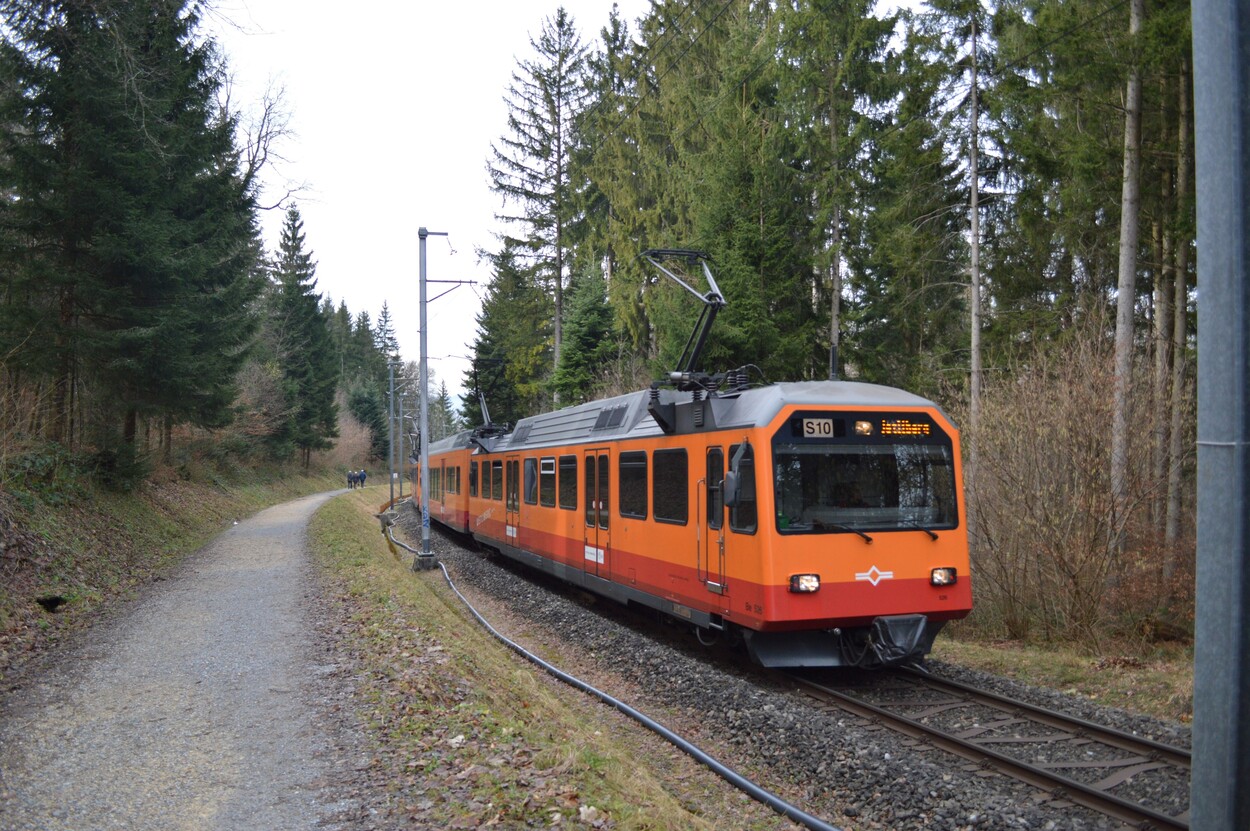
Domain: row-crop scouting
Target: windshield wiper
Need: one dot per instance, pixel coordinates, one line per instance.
(911, 524)
(842, 527)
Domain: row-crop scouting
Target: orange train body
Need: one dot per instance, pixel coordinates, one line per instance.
(821, 521)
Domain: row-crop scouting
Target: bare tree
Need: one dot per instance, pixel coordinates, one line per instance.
(261, 131)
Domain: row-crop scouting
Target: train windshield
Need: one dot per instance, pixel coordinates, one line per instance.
(831, 480)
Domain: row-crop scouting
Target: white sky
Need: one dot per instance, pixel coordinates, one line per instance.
(393, 109)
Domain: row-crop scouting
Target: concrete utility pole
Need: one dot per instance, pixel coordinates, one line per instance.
(1221, 768)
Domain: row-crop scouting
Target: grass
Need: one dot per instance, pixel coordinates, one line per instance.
(1159, 683)
(471, 734)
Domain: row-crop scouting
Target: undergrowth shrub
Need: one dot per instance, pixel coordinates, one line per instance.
(1053, 557)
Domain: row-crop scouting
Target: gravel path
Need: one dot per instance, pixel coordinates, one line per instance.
(209, 703)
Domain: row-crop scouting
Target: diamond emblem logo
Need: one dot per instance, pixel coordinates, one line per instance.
(874, 575)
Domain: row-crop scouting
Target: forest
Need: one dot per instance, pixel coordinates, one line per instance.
(141, 318)
(990, 204)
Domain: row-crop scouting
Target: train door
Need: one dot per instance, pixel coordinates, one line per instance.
(512, 496)
(711, 538)
(595, 490)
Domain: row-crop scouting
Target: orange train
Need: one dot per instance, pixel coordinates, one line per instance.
(822, 522)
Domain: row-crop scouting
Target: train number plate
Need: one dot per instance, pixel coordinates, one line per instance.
(818, 428)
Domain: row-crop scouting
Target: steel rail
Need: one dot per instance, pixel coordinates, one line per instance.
(1059, 786)
(1176, 756)
(742, 783)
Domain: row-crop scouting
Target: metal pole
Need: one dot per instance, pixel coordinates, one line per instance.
(423, 423)
(390, 434)
(1221, 767)
(399, 457)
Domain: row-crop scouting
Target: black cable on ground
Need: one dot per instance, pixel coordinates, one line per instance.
(728, 774)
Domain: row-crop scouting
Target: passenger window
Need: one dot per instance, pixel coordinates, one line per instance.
(633, 484)
(670, 483)
(591, 503)
(531, 481)
(743, 516)
(473, 479)
(568, 483)
(715, 478)
(496, 481)
(604, 476)
(547, 482)
(513, 501)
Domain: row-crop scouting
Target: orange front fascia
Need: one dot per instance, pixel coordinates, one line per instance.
(856, 604)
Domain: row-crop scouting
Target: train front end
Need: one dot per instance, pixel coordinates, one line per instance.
(867, 556)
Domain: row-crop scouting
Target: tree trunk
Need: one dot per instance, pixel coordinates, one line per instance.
(974, 300)
(1162, 338)
(1180, 321)
(835, 245)
(1127, 289)
(167, 439)
(130, 429)
(63, 386)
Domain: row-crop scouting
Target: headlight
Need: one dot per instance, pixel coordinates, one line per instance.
(804, 582)
(943, 577)
(863, 428)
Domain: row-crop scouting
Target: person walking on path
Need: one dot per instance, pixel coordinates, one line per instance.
(361, 477)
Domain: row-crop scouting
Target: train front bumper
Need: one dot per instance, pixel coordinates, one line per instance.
(889, 640)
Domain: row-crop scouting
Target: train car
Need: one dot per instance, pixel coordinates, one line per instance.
(449, 493)
(821, 522)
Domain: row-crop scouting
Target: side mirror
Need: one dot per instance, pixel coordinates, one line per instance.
(729, 488)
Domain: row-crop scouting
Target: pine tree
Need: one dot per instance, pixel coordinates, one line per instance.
(589, 341)
(512, 350)
(906, 321)
(384, 335)
(604, 173)
(530, 166)
(747, 208)
(837, 81)
(132, 242)
(366, 405)
(340, 321)
(308, 361)
(442, 415)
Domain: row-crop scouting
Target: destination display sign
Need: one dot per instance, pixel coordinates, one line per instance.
(867, 427)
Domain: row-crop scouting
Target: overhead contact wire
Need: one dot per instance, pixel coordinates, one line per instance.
(727, 773)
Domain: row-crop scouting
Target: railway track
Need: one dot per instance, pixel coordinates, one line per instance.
(808, 738)
(1136, 780)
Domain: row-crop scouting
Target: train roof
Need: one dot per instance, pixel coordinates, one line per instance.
(628, 416)
(452, 442)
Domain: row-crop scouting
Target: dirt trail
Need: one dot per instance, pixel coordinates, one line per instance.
(207, 704)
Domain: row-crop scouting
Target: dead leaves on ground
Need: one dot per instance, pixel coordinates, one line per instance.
(449, 760)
